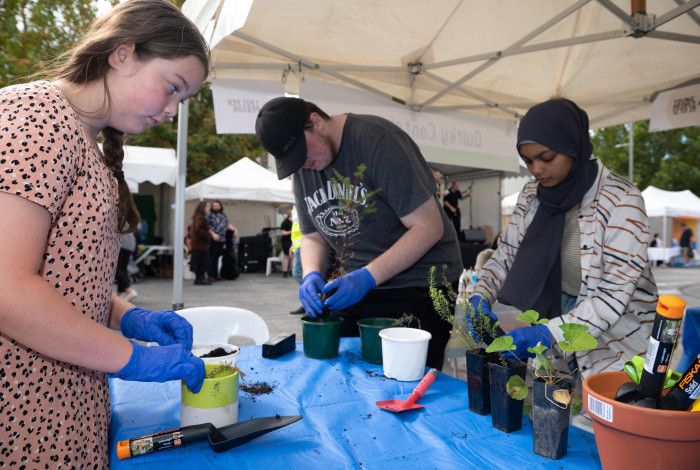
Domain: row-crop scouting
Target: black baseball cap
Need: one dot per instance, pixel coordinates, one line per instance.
(280, 129)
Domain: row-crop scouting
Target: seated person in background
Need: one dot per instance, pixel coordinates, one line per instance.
(575, 249)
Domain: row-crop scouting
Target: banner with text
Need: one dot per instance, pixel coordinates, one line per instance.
(237, 103)
(677, 108)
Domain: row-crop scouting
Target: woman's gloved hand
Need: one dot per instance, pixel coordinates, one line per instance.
(163, 327)
(163, 363)
(480, 306)
(528, 337)
(309, 293)
(349, 289)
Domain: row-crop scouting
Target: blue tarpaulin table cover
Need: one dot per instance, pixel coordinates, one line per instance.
(341, 426)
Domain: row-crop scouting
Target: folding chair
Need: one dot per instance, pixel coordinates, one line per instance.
(232, 325)
(273, 260)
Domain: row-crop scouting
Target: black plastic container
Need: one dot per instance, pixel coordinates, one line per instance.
(550, 420)
(506, 412)
(478, 382)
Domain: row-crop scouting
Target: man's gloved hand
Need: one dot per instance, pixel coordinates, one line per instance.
(480, 306)
(349, 289)
(309, 293)
(163, 327)
(528, 337)
(163, 363)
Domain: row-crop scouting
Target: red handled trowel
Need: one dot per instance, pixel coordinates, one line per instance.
(397, 406)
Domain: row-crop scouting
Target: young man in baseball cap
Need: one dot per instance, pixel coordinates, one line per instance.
(393, 246)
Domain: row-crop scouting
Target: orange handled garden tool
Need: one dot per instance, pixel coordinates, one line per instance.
(397, 406)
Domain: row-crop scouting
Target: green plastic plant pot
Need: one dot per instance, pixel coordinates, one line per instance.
(321, 336)
(369, 336)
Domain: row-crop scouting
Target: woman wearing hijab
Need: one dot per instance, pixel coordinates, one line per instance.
(575, 249)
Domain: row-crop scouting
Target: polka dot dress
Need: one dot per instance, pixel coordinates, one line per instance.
(55, 415)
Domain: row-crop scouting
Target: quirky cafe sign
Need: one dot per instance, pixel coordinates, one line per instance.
(432, 133)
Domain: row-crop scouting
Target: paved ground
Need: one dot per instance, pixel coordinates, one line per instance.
(274, 297)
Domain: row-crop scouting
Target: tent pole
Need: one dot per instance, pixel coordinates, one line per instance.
(630, 167)
(179, 227)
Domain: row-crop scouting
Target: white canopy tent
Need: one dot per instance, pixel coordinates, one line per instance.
(661, 203)
(152, 164)
(495, 58)
(244, 180)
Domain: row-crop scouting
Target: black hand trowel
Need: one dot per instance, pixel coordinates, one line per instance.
(220, 439)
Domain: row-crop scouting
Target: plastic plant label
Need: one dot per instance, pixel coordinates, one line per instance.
(600, 408)
(651, 354)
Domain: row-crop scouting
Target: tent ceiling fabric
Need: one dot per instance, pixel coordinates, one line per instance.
(472, 55)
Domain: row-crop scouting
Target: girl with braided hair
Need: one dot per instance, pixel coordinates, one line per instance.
(64, 205)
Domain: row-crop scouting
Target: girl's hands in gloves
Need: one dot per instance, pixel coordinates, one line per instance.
(163, 363)
(164, 327)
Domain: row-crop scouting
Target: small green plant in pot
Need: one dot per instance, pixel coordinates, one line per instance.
(474, 338)
(321, 335)
(554, 395)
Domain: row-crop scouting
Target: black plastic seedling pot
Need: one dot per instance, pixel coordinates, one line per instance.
(506, 412)
(550, 420)
(478, 380)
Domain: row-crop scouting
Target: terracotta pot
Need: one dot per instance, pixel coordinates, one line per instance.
(630, 436)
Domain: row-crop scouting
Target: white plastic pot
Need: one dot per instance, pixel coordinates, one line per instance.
(404, 352)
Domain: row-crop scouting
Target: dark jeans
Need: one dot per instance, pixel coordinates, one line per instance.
(394, 303)
(216, 250)
(199, 263)
(122, 275)
(456, 220)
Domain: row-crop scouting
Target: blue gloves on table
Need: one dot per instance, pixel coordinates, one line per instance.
(163, 327)
(481, 306)
(349, 289)
(528, 337)
(163, 363)
(309, 293)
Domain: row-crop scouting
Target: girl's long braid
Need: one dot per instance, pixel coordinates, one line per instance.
(113, 150)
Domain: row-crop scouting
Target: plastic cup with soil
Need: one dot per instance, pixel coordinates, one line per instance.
(218, 353)
(321, 336)
(217, 400)
(369, 336)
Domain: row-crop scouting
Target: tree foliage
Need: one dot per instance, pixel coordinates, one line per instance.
(33, 32)
(669, 160)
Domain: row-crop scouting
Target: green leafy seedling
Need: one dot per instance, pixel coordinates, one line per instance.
(532, 317)
(576, 338)
(500, 344)
(516, 387)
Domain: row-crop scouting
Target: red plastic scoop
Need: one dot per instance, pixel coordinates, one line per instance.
(397, 406)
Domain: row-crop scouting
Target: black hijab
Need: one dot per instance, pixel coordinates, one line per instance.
(534, 280)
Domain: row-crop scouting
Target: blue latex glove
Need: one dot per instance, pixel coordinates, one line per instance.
(163, 327)
(528, 337)
(163, 363)
(349, 289)
(309, 293)
(481, 306)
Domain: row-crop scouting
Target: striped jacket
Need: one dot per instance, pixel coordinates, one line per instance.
(617, 299)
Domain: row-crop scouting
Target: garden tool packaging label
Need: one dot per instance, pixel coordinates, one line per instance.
(600, 408)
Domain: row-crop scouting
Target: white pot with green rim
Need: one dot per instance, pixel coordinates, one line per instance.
(217, 400)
